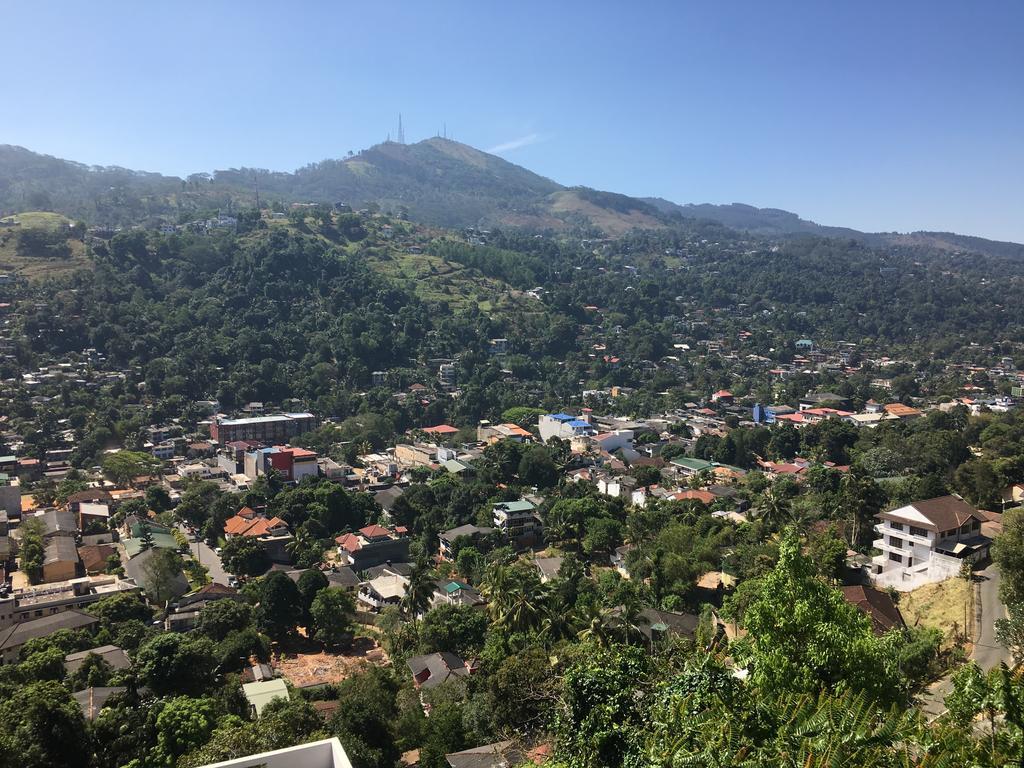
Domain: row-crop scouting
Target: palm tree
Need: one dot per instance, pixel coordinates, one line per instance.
(302, 541)
(419, 592)
(775, 508)
(558, 619)
(596, 625)
(628, 622)
(513, 593)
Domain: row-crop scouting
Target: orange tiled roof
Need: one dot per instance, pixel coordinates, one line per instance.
(349, 542)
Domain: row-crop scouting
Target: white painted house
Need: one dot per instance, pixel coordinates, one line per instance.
(926, 542)
(317, 754)
(563, 426)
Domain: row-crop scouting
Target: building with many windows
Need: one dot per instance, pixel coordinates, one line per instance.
(277, 428)
(926, 541)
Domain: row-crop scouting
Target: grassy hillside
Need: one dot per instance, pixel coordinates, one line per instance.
(36, 245)
(405, 260)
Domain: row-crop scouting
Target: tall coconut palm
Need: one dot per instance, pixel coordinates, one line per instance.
(775, 508)
(629, 622)
(420, 591)
(558, 621)
(596, 625)
(514, 596)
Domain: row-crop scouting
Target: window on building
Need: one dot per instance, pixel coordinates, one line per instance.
(895, 542)
(915, 531)
(896, 526)
(895, 557)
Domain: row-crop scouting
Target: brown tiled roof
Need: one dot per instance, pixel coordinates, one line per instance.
(94, 556)
(878, 606)
(90, 494)
(943, 513)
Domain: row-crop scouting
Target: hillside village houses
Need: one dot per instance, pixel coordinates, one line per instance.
(373, 561)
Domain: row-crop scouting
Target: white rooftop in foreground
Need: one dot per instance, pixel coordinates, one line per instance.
(317, 754)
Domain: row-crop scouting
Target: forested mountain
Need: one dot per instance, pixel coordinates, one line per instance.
(436, 181)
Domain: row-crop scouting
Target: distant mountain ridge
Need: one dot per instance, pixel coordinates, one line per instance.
(436, 181)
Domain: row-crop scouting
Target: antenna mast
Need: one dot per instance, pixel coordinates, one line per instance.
(401, 131)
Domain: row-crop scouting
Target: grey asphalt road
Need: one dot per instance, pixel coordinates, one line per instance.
(208, 558)
(988, 652)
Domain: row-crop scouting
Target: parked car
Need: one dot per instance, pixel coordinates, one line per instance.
(233, 581)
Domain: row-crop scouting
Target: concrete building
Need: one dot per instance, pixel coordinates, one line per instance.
(516, 518)
(373, 545)
(472, 533)
(15, 636)
(49, 599)
(447, 375)
(317, 754)
(563, 426)
(277, 428)
(10, 495)
(926, 542)
(60, 560)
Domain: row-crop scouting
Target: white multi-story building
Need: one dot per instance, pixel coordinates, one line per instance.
(516, 518)
(447, 375)
(926, 541)
(563, 426)
(317, 754)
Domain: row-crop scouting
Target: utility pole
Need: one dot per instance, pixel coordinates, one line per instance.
(256, 182)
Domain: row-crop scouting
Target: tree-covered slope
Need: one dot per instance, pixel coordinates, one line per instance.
(437, 181)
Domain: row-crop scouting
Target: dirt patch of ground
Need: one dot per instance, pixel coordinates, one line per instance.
(305, 666)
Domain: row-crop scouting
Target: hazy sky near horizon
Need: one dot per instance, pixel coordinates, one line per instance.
(875, 115)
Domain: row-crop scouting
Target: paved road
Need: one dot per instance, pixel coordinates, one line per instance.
(988, 652)
(206, 557)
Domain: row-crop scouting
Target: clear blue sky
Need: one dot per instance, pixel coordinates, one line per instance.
(877, 115)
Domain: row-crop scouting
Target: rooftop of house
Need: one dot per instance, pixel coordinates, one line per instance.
(501, 754)
(111, 654)
(388, 586)
(465, 530)
(60, 549)
(134, 546)
(60, 521)
(92, 700)
(257, 526)
(878, 606)
(514, 507)
(941, 514)
(263, 419)
(261, 693)
(434, 668)
(441, 429)
(19, 634)
(683, 624)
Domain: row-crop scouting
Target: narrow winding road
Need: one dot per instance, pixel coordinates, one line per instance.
(989, 652)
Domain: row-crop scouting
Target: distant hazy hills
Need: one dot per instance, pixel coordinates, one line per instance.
(437, 181)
